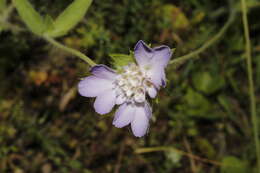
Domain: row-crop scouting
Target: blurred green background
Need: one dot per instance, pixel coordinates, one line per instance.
(47, 127)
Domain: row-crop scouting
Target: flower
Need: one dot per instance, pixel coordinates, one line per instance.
(129, 87)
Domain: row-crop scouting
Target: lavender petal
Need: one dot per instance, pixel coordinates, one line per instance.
(153, 61)
(157, 76)
(124, 115)
(92, 86)
(105, 102)
(103, 71)
(152, 91)
(143, 53)
(162, 55)
(159, 61)
(140, 122)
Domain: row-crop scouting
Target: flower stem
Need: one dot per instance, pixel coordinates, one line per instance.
(250, 81)
(168, 149)
(210, 42)
(70, 50)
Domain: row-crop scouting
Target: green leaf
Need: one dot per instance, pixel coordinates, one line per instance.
(119, 60)
(198, 105)
(32, 19)
(48, 23)
(225, 103)
(173, 156)
(232, 164)
(69, 18)
(206, 147)
(171, 16)
(2, 5)
(173, 50)
(207, 83)
(75, 164)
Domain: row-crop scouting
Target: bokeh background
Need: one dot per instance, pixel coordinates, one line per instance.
(202, 116)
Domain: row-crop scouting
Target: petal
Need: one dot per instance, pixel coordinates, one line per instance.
(103, 71)
(153, 61)
(159, 61)
(124, 115)
(92, 86)
(162, 55)
(152, 91)
(157, 76)
(105, 102)
(119, 112)
(148, 110)
(140, 122)
(143, 53)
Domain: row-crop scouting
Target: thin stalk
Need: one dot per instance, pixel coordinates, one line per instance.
(7, 12)
(13, 28)
(208, 43)
(70, 50)
(192, 156)
(167, 149)
(251, 81)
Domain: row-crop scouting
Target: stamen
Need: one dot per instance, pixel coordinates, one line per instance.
(132, 84)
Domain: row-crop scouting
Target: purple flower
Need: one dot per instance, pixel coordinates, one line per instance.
(128, 88)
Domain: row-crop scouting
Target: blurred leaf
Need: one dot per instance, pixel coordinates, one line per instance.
(232, 80)
(173, 159)
(75, 164)
(8, 130)
(199, 16)
(32, 19)
(236, 43)
(120, 60)
(92, 33)
(69, 18)
(192, 132)
(225, 103)
(173, 156)
(18, 170)
(205, 32)
(173, 17)
(49, 23)
(38, 77)
(198, 105)
(2, 5)
(47, 168)
(205, 147)
(87, 171)
(207, 83)
(232, 164)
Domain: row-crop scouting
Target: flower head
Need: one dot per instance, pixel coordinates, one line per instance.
(129, 87)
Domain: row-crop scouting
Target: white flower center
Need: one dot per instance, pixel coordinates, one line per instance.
(131, 84)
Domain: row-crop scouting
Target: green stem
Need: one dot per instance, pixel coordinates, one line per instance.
(152, 149)
(70, 50)
(13, 28)
(7, 12)
(250, 81)
(208, 43)
(167, 149)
